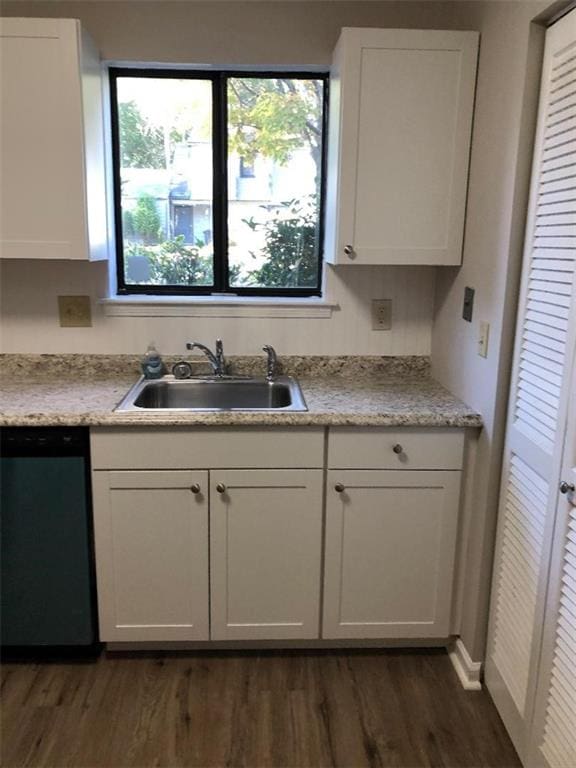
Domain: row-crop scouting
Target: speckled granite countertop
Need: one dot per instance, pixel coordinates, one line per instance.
(69, 390)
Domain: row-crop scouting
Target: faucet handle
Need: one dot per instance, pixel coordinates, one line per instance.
(220, 360)
(272, 367)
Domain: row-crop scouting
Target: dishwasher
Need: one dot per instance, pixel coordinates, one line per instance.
(47, 587)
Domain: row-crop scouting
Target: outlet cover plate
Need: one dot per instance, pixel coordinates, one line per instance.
(381, 314)
(74, 311)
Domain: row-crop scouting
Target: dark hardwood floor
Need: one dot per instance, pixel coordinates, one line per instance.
(345, 708)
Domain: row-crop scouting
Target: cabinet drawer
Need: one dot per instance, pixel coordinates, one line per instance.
(207, 448)
(367, 448)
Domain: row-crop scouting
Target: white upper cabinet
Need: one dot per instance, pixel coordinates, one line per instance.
(52, 179)
(401, 105)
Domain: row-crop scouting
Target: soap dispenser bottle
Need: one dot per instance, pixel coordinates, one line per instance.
(152, 364)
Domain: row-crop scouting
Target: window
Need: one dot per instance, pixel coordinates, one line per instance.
(246, 168)
(219, 181)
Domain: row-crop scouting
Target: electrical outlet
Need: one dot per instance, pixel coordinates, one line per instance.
(74, 311)
(483, 337)
(381, 314)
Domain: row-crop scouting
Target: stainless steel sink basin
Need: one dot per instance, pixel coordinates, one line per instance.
(214, 394)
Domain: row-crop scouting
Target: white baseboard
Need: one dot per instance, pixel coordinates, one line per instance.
(467, 670)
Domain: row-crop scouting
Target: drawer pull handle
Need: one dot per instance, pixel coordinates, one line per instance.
(398, 448)
(339, 487)
(195, 488)
(567, 487)
(221, 488)
(349, 251)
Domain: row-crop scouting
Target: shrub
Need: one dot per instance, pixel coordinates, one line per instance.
(291, 247)
(145, 220)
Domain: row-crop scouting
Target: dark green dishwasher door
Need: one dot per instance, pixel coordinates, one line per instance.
(46, 591)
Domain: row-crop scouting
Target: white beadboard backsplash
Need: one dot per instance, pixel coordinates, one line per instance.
(29, 316)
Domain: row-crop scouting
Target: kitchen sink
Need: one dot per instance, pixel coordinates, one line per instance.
(214, 394)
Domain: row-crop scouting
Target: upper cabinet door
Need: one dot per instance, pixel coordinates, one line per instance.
(399, 143)
(51, 142)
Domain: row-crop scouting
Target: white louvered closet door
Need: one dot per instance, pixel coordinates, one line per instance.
(538, 398)
(554, 728)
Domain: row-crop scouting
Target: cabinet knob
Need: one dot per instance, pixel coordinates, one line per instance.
(339, 487)
(195, 488)
(397, 448)
(221, 488)
(567, 487)
(349, 250)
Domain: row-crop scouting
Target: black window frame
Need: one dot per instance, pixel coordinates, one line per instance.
(218, 79)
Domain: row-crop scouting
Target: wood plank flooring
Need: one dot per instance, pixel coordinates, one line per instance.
(290, 709)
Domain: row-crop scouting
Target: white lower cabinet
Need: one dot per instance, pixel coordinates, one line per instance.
(265, 554)
(151, 536)
(213, 553)
(232, 553)
(389, 558)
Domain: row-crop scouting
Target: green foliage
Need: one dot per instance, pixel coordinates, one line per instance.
(169, 263)
(128, 225)
(291, 246)
(274, 117)
(144, 220)
(141, 144)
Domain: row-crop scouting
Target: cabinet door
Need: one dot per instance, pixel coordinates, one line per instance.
(390, 542)
(400, 125)
(50, 99)
(265, 547)
(151, 535)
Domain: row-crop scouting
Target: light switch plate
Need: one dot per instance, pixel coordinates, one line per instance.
(381, 314)
(483, 336)
(74, 311)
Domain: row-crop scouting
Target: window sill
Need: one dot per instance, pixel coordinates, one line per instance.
(216, 306)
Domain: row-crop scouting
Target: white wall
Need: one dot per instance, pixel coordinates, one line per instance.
(29, 318)
(506, 104)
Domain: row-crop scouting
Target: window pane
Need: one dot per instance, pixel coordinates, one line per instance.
(165, 141)
(274, 172)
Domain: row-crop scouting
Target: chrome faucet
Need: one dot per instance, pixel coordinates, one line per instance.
(272, 365)
(217, 360)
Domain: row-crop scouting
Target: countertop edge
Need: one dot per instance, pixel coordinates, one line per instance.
(304, 419)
